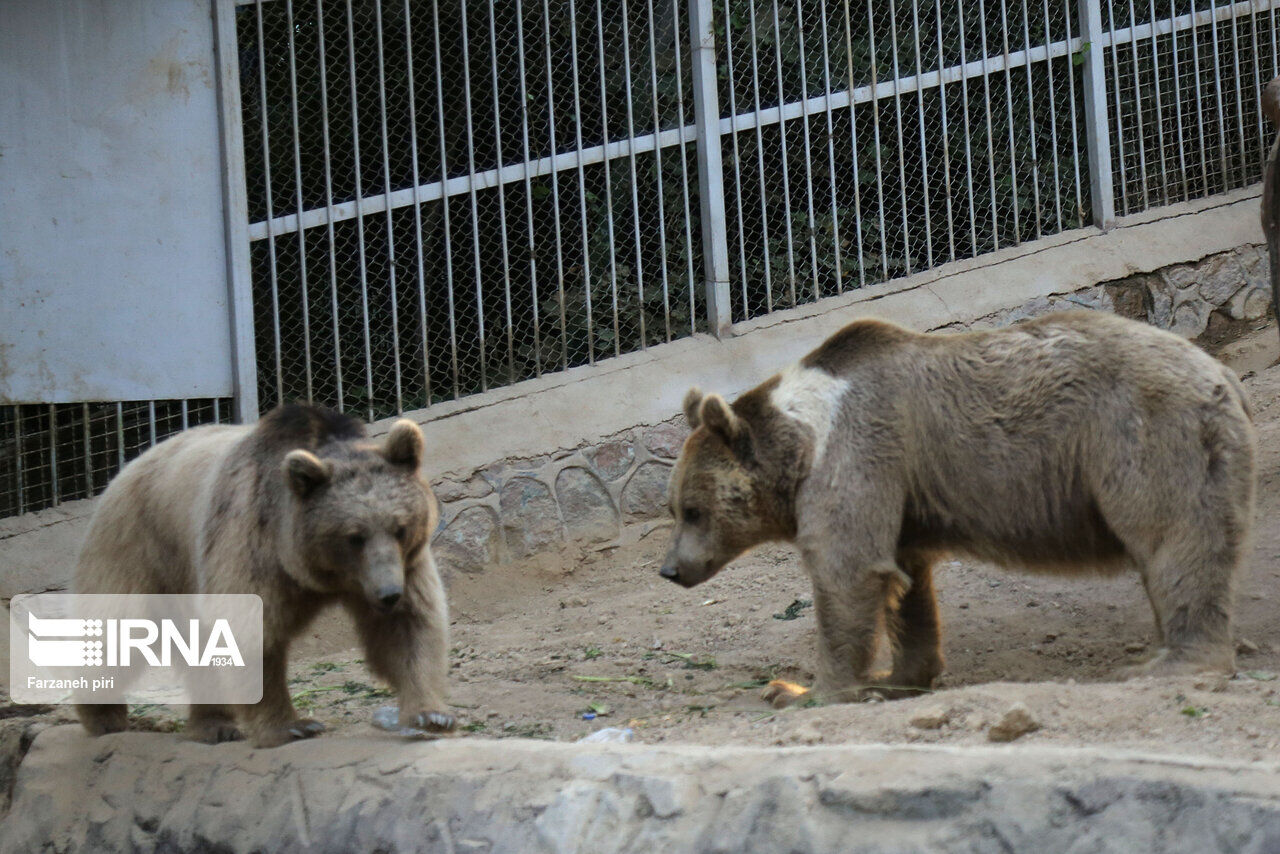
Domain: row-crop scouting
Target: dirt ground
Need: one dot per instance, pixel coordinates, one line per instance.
(535, 648)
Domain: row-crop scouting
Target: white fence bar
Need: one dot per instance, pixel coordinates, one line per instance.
(1097, 127)
(590, 155)
(706, 109)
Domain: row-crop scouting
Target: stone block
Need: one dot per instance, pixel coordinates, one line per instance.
(613, 458)
(585, 506)
(470, 542)
(530, 518)
(666, 440)
(645, 495)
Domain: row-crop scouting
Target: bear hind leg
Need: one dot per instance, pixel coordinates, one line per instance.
(1189, 581)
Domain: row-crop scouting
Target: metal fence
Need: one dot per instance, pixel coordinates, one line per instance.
(50, 453)
(447, 196)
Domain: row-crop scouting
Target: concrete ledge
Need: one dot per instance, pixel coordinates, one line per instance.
(149, 792)
(565, 410)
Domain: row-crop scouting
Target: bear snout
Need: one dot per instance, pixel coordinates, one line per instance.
(388, 596)
(672, 573)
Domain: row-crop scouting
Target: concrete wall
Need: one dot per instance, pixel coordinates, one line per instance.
(111, 202)
(583, 457)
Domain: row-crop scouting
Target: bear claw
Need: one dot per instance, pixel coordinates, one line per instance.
(433, 722)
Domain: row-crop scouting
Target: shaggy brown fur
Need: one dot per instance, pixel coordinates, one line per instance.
(304, 511)
(1073, 443)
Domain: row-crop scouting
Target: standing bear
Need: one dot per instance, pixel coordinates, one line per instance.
(303, 510)
(1076, 443)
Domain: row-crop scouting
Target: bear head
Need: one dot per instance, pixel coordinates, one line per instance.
(361, 515)
(727, 492)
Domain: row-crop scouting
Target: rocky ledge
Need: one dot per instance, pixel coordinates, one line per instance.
(153, 792)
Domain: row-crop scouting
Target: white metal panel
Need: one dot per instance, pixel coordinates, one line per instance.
(113, 274)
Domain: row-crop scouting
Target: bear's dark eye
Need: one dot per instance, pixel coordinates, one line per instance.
(401, 532)
(692, 515)
(356, 541)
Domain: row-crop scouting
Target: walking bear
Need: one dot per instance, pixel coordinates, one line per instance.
(305, 511)
(1074, 443)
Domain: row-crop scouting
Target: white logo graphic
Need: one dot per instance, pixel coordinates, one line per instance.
(127, 636)
(45, 651)
(113, 648)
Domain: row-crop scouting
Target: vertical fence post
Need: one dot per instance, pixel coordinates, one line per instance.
(1097, 125)
(706, 120)
(235, 202)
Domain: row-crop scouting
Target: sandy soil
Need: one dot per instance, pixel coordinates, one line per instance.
(535, 648)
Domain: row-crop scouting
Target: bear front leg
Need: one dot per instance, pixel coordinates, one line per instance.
(410, 649)
(849, 611)
(273, 721)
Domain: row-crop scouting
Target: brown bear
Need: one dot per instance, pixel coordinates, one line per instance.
(305, 511)
(1074, 443)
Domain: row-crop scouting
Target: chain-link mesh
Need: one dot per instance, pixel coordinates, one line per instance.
(1184, 85)
(910, 133)
(50, 453)
(488, 192)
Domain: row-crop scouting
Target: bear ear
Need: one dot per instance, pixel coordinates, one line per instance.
(305, 472)
(718, 417)
(692, 407)
(404, 444)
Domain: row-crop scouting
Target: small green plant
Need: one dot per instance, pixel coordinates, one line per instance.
(475, 726)
(591, 652)
(749, 684)
(360, 689)
(792, 611)
(691, 663)
(1195, 711)
(306, 699)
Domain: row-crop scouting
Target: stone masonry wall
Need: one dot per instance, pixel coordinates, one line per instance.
(615, 490)
(592, 495)
(1197, 301)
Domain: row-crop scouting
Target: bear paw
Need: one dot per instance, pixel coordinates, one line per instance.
(779, 693)
(215, 731)
(430, 721)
